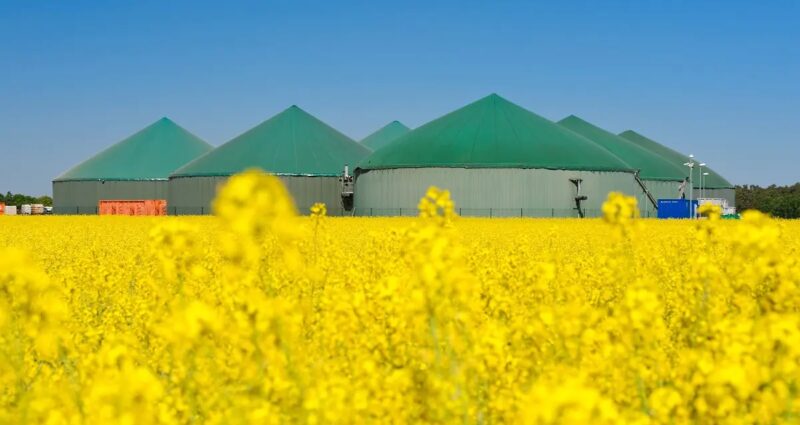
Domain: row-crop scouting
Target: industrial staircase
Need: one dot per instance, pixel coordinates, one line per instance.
(646, 192)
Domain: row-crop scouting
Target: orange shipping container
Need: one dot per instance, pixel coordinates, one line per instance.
(134, 207)
(2, 208)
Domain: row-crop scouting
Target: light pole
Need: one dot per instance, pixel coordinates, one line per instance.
(703, 184)
(690, 164)
(702, 164)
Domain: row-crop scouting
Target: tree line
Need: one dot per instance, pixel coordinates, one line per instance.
(778, 201)
(19, 199)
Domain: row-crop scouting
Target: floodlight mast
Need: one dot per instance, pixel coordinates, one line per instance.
(691, 165)
(702, 193)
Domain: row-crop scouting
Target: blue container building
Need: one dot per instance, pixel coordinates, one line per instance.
(675, 208)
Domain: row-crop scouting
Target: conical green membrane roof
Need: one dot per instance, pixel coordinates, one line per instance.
(385, 135)
(494, 133)
(150, 154)
(651, 166)
(712, 181)
(290, 143)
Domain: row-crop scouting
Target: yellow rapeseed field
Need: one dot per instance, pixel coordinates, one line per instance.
(260, 316)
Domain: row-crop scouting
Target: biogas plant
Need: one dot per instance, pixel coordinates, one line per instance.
(496, 158)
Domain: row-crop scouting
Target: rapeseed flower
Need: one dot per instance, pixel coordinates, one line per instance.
(256, 315)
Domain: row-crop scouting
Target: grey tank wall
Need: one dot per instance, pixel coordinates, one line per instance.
(194, 195)
(663, 189)
(83, 197)
(499, 192)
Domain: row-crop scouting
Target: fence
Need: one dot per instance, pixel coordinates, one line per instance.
(392, 212)
(489, 212)
(335, 212)
(76, 210)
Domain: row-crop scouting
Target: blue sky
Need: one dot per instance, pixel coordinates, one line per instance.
(717, 79)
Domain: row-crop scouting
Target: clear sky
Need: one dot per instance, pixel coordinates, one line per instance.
(717, 79)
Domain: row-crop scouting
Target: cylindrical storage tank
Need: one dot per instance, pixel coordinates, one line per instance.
(661, 177)
(385, 135)
(136, 168)
(193, 195)
(496, 159)
(713, 185)
(307, 154)
(490, 192)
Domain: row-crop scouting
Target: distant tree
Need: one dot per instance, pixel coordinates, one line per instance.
(46, 200)
(779, 201)
(19, 199)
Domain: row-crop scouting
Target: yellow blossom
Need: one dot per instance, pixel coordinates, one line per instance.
(256, 315)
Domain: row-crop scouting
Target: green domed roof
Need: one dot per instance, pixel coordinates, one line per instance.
(385, 135)
(151, 154)
(290, 143)
(712, 181)
(493, 133)
(651, 166)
